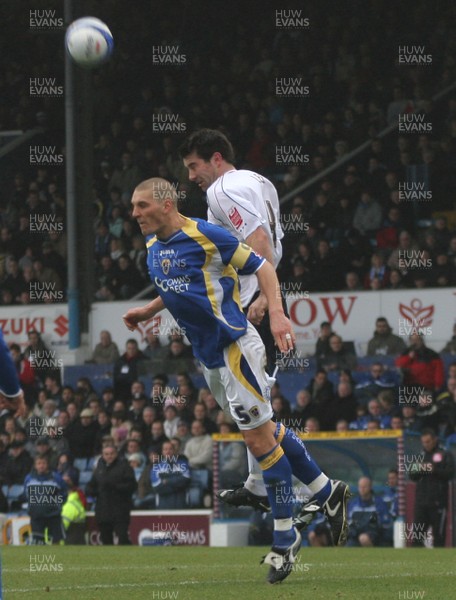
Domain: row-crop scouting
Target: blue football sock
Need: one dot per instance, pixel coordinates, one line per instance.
(277, 479)
(302, 464)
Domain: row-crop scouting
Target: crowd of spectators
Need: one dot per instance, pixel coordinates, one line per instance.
(165, 435)
(345, 231)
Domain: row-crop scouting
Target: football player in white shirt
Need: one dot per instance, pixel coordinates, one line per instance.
(247, 204)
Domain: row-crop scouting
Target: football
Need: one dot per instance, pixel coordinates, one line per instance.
(89, 42)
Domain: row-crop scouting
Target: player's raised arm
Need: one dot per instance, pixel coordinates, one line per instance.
(142, 313)
(280, 326)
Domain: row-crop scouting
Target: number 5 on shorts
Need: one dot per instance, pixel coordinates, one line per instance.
(242, 414)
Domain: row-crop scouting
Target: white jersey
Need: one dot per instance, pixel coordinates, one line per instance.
(241, 201)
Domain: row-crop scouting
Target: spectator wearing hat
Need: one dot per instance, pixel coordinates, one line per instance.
(43, 449)
(113, 484)
(74, 509)
(137, 463)
(18, 464)
(81, 434)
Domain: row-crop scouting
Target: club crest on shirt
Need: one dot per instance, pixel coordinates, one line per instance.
(235, 217)
(255, 412)
(165, 265)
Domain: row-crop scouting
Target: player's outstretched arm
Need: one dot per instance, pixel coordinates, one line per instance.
(280, 326)
(259, 241)
(142, 313)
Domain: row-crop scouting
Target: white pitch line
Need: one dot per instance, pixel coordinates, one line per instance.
(96, 586)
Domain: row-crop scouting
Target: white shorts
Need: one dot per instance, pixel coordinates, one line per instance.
(243, 388)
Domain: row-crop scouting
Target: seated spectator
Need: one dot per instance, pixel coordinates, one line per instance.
(304, 409)
(158, 436)
(410, 421)
(352, 282)
(378, 270)
(183, 432)
(369, 518)
(450, 347)
(281, 408)
(338, 358)
(126, 369)
(406, 244)
(153, 349)
(135, 412)
(421, 365)
(212, 408)
(372, 382)
(232, 460)
(384, 341)
(312, 425)
(170, 479)
(120, 427)
(18, 464)
(342, 426)
(395, 281)
(200, 414)
(368, 215)
(179, 357)
(106, 351)
(137, 463)
(322, 347)
(129, 280)
(321, 390)
(171, 422)
(198, 448)
(81, 434)
(342, 406)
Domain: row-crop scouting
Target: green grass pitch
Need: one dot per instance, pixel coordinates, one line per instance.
(186, 573)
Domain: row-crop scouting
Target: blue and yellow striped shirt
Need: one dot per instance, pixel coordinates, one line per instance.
(196, 274)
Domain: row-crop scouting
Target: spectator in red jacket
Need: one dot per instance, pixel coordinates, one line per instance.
(421, 365)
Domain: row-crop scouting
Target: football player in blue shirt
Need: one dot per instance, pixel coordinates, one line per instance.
(11, 395)
(194, 266)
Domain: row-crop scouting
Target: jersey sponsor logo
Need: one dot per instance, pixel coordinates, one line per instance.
(255, 412)
(179, 285)
(165, 265)
(235, 217)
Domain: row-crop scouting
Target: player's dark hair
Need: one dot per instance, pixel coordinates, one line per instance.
(205, 142)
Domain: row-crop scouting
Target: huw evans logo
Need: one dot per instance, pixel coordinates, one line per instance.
(414, 123)
(291, 19)
(291, 86)
(168, 123)
(45, 19)
(291, 155)
(45, 87)
(414, 191)
(45, 155)
(414, 55)
(168, 56)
